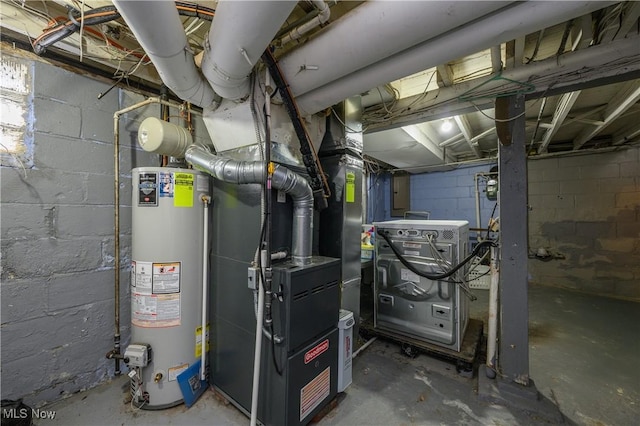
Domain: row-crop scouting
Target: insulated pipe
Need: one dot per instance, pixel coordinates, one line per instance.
(348, 44)
(511, 22)
(244, 172)
(159, 31)
(492, 331)
(319, 19)
(240, 32)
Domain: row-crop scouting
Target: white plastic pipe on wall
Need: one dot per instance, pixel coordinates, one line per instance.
(492, 332)
(205, 286)
(158, 29)
(371, 32)
(514, 21)
(240, 32)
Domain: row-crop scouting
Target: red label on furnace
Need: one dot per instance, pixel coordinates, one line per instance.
(316, 351)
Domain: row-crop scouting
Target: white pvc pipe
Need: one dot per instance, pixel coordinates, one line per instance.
(350, 43)
(257, 356)
(475, 178)
(318, 20)
(159, 31)
(240, 32)
(492, 331)
(205, 286)
(506, 24)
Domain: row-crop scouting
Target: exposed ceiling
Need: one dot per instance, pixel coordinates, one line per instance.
(581, 78)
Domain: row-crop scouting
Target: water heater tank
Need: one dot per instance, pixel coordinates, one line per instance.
(167, 233)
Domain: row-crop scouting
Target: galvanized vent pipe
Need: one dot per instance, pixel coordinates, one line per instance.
(244, 172)
(240, 32)
(158, 29)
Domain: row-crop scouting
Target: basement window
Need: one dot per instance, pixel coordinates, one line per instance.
(16, 114)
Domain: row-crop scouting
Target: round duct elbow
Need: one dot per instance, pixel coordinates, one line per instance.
(162, 137)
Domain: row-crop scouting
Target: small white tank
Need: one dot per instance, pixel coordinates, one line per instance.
(166, 281)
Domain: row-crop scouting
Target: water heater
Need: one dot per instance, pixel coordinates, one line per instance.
(167, 233)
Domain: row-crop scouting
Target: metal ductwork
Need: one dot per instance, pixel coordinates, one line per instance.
(508, 23)
(240, 32)
(245, 172)
(159, 31)
(371, 32)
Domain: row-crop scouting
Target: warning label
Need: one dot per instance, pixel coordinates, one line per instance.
(155, 310)
(141, 277)
(166, 184)
(314, 392)
(183, 190)
(166, 278)
(199, 340)
(407, 275)
(174, 372)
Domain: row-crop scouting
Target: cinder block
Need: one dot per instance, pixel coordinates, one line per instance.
(600, 171)
(20, 221)
(558, 230)
(627, 199)
(72, 290)
(55, 152)
(544, 215)
(581, 186)
(620, 245)
(534, 176)
(543, 188)
(41, 258)
(25, 372)
(56, 118)
(628, 229)
(41, 186)
(538, 164)
(97, 125)
(593, 214)
(596, 229)
(560, 174)
(595, 201)
(23, 299)
(583, 160)
(630, 169)
(85, 220)
(552, 201)
(74, 89)
(132, 157)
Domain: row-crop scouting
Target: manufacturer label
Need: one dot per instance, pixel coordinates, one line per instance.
(411, 245)
(148, 189)
(281, 197)
(347, 351)
(202, 183)
(155, 310)
(411, 253)
(314, 392)
(407, 275)
(141, 276)
(316, 351)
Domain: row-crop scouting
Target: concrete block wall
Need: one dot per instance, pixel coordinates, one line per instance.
(57, 236)
(447, 195)
(586, 208)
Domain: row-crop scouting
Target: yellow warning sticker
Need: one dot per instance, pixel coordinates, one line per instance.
(183, 190)
(350, 196)
(199, 340)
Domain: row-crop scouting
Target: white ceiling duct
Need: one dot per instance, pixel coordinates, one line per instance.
(509, 23)
(371, 32)
(240, 32)
(159, 31)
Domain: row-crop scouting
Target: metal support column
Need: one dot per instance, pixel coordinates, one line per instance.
(514, 311)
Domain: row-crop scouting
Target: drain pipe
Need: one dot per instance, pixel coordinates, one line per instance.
(244, 172)
(115, 352)
(319, 19)
(205, 268)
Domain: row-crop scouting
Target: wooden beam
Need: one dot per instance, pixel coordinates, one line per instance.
(465, 128)
(628, 134)
(445, 77)
(496, 59)
(419, 136)
(622, 101)
(562, 110)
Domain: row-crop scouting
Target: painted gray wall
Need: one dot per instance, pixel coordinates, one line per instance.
(57, 235)
(587, 209)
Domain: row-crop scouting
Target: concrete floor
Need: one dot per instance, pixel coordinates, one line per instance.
(584, 352)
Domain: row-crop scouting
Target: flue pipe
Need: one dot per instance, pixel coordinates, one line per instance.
(159, 31)
(240, 32)
(349, 44)
(244, 172)
(509, 23)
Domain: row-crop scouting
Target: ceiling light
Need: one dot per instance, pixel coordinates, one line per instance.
(446, 125)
